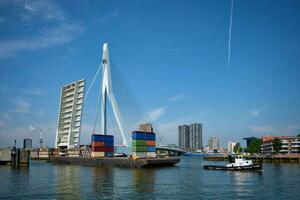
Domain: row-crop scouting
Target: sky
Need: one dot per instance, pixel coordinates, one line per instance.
(233, 68)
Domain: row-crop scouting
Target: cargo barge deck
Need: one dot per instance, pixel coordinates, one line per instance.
(116, 161)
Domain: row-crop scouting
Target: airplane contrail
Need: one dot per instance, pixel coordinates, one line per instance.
(229, 37)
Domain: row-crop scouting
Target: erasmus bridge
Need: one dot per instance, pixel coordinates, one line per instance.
(120, 112)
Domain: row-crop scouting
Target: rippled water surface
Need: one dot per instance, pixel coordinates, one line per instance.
(187, 180)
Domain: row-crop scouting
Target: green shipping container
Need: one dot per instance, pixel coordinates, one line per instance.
(139, 148)
(139, 142)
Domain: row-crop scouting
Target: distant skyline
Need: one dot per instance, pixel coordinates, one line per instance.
(174, 55)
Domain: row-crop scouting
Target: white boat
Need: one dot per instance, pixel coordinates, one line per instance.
(239, 164)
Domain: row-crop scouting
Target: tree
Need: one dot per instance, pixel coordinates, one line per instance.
(298, 135)
(277, 145)
(237, 148)
(254, 146)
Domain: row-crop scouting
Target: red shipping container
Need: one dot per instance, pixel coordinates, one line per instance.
(102, 149)
(150, 142)
(97, 144)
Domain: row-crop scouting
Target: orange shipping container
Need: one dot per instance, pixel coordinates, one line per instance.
(151, 142)
(97, 144)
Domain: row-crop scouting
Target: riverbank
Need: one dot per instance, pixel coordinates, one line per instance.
(275, 158)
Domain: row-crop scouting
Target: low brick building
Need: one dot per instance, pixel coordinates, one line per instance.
(290, 144)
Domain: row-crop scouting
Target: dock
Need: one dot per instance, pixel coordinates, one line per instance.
(125, 162)
(274, 159)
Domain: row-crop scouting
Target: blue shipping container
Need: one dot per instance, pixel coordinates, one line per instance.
(138, 135)
(102, 138)
(109, 144)
(151, 149)
(150, 136)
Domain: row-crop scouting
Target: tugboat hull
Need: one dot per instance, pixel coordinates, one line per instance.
(236, 168)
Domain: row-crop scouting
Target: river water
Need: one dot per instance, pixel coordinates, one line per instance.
(187, 180)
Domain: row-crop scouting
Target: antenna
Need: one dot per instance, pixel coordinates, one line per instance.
(41, 138)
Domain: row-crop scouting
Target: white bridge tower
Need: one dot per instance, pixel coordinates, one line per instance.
(107, 94)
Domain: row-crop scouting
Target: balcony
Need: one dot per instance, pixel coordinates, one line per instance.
(295, 145)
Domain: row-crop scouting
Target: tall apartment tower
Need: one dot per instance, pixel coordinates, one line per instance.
(230, 147)
(214, 143)
(69, 118)
(195, 137)
(184, 137)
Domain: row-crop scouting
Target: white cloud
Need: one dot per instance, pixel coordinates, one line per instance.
(176, 97)
(291, 129)
(29, 7)
(107, 17)
(57, 29)
(156, 113)
(53, 37)
(260, 129)
(256, 112)
(33, 92)
(2, 123)
(21, 132)
(22, 106)
(31, 128)
(6, 116)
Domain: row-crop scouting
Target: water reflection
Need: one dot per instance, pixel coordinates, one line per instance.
(68, 182)
(143, 182)
(244, 182)
(103, 182)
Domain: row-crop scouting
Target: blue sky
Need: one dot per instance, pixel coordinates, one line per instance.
(173, 54)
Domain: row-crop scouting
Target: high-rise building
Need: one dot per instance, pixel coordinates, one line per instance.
(214, 143)
(195, 137)
(230, 147)
(69, 118)
(184, 137)
(27, 143)
(249, 140)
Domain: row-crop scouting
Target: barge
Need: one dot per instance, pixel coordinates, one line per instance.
(126, 162)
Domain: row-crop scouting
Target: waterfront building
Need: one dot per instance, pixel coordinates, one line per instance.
(290, 144)
(196, 137)
(214, 144)
(190, 137)
(27, 143)
(146, 127)
(184, 137)
(230, 147)
(249, 140)
(69, 117)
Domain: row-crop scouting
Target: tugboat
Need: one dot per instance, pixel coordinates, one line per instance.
(240, 164)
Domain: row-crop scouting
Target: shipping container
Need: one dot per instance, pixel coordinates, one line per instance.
(97, 154)
(139, 154)
(151, 149)
(139, 148)
(102, 138)
(151, 143)
(109, 144)
(102, 149)
(139, 142)
(97, 144)
(150, 136)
